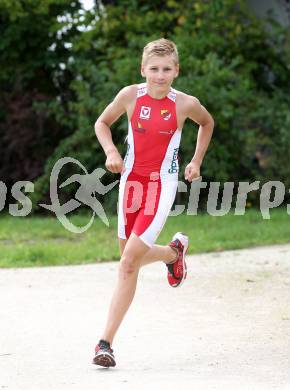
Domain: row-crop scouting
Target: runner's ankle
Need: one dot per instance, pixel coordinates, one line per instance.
(175, 258)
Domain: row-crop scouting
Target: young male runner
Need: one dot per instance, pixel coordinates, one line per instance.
(149, 176)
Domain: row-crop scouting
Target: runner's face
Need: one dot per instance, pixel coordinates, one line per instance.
(159, 72)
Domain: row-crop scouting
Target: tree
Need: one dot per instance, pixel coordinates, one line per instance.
(34, 51)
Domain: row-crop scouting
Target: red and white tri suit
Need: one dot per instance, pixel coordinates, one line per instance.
(149, 182)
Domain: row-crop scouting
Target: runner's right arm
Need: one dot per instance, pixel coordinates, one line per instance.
(114, 162)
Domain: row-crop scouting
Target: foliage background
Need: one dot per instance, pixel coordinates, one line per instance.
(61, 65)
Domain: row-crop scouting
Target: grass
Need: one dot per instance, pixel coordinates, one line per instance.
(42, 241)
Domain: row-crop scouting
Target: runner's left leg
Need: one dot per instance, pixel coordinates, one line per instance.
(157, 253)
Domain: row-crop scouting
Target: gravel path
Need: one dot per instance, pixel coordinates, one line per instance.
(227, 327)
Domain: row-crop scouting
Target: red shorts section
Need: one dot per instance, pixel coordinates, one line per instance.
(140, 202)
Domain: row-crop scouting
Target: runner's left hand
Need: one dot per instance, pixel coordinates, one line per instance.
(192, 171)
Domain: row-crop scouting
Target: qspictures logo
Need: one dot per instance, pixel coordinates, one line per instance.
(271, 195)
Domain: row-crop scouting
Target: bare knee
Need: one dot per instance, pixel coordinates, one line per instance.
(128, 264)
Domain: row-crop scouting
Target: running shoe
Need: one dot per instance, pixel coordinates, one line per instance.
(177, 270)
(104, 355)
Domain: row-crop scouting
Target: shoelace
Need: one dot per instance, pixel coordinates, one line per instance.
(105, 345)
(179, 267)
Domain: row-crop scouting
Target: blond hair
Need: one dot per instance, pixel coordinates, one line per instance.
(160, 47)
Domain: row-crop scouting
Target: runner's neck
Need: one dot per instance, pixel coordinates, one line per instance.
(157, 96)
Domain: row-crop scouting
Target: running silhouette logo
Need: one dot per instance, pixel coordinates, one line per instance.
(90, 185)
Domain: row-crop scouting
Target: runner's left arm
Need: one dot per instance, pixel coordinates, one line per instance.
(198, 114)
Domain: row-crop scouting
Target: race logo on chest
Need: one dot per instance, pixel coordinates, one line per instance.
(145, 112)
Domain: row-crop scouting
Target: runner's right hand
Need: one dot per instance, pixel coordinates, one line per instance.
(114, 162)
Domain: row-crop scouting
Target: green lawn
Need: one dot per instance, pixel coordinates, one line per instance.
(38, 241)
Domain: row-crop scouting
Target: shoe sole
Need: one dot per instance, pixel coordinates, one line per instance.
(183, 264)
(104, 360)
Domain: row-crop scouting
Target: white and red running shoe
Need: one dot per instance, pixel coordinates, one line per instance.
(104, 355)
(177, 270)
